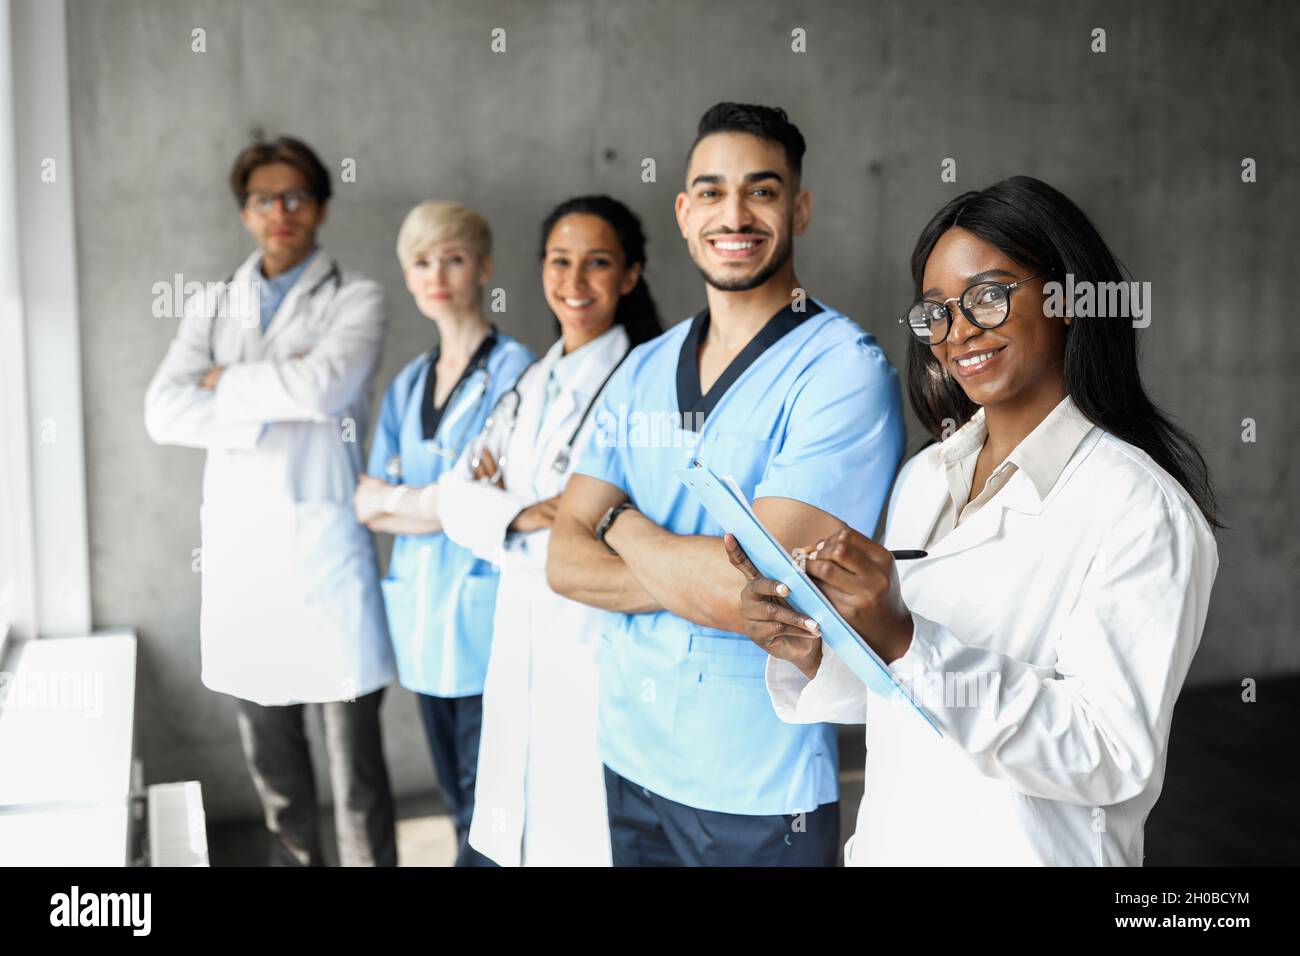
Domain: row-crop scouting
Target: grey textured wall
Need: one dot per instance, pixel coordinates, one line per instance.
(1148, 137)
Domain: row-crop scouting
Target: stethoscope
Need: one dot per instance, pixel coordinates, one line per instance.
(393, 467)
(508, 404)
(334, 275)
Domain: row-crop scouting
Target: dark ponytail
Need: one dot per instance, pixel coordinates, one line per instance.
(1044, 231)
(636, 311)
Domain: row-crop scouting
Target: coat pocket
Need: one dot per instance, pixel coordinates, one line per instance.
(726, 660)
(475, 611)
(336, 574)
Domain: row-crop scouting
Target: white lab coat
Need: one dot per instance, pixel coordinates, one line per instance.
(1068, 622)
(291, 606)
(540, 792)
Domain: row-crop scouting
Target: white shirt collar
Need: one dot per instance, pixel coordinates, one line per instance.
(1042, 454)
(564, 368)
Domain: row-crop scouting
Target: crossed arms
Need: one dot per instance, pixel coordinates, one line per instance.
(654, 569)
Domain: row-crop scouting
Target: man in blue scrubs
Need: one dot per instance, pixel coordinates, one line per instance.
(799, 405)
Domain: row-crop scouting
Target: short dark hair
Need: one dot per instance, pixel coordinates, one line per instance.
(284, 149)
(765, 122)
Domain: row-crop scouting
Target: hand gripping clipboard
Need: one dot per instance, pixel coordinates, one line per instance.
(725, 502)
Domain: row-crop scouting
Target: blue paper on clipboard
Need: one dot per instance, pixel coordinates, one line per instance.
(726, 503)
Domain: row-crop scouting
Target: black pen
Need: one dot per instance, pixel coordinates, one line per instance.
(800, 556)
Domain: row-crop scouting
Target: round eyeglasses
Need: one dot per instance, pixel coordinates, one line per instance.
(985, 304)
(291, 199)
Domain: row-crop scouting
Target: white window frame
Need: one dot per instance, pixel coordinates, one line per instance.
(44, 547)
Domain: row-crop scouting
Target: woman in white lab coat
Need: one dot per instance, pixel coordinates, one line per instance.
(540, 791)
(1069, 530)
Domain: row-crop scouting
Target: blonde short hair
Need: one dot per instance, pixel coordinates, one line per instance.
(433, 222)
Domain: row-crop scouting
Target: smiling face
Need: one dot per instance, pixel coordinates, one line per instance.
(741, 209)
(1019, 360)
(284, 237)
(447, 280)
(584, 275)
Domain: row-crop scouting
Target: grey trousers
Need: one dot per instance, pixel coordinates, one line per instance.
(275, 746)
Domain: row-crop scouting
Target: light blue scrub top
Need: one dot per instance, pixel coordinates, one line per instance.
(817, 417)
(439, 597)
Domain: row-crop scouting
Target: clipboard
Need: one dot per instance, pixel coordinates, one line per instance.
(726, 504)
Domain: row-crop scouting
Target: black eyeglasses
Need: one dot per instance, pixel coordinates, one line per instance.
(291, 199)
(985, 304)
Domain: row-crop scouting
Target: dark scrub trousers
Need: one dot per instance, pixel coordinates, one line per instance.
(452, 725)
(646, 829)
(275, 746)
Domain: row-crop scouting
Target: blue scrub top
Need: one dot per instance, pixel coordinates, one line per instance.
(439, 598)
(810, 410)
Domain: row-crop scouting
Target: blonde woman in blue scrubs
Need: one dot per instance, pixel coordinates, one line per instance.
(439, 597)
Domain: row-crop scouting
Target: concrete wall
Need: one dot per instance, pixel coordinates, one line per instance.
(1148, 137)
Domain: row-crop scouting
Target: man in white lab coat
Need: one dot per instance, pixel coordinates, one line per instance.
(271, 373)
